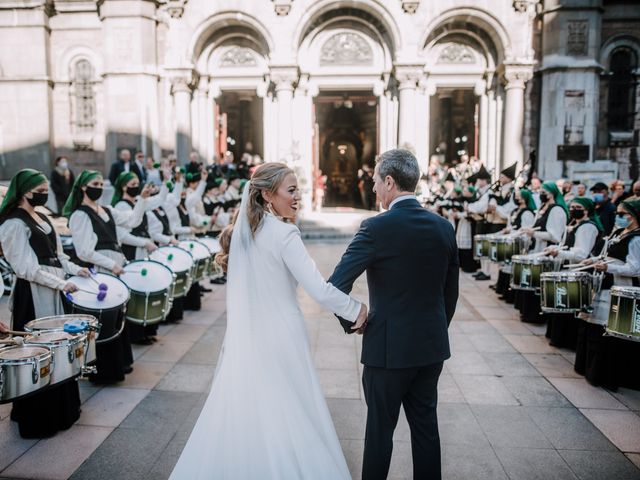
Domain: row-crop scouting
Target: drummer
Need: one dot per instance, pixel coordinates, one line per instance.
(465, 231)
(33, 249)
(582, 238)
(176, 210)
(95, 238)
(523, 216)
(607, 360)
(549, 229)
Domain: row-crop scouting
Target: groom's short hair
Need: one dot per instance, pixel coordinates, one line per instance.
(402, 166)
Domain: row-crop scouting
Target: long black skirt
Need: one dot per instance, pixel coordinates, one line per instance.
(503, 287)
(467, 263)
(606, 361)
(562, 329)
(192, 298)
(177, 311)
(114, 356)
(529, 307)
(42, 414)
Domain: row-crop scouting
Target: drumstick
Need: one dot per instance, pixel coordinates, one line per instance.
(586, 267)
(14, 332)
(166, 254)
(101, 286)
(142, 271)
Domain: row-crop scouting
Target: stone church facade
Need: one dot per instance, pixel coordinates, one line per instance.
(322, 84)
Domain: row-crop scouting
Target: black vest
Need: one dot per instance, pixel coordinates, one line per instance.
(43, 244)
(105, 231)
(184, 215)
(164, 220)
(570, 239)
(209, 206)
(516, 222)
(542, 221)
(619, 251)
(142, 230)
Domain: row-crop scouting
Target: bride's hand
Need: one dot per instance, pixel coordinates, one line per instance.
(361, 321)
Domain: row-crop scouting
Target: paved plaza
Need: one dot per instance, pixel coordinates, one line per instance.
(511, 406)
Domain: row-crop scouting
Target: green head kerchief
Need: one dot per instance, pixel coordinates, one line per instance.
(471, 189)
(633, 207)
(121, 181)
(528, 198)
(76, 195)
(22, 182)
(590, 207)
(553, 189)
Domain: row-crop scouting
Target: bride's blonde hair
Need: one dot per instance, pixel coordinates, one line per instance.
(267, 178)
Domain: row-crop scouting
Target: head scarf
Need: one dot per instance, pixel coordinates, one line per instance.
(76, 195)
(22, 182)
(590, 207)
(633, 207)
(553, 189)
(121, 181)
(528, 199)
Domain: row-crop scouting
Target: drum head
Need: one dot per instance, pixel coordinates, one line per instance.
(177, 259)
(21, 353)
(212, 244)
(57, 322)
(50, 337)
(147, 276)
(116, 296)
(195, 248)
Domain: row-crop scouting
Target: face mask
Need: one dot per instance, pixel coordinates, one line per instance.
(597, 197)
(94, 193)
(576, 214)
(133, 191)
(622, 222)
(544, 197)
(63, 165)
(38, 199)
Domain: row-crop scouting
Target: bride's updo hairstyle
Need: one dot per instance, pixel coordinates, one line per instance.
(267, 178)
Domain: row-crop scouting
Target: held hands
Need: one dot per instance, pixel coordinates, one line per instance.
(69, 287)
(361, 321)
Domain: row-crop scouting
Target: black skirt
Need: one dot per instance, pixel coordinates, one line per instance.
(562, 329)
(192, 298)
(42, 414)
(113, 357)
(530, 307)
(177, 311)
(467, 263)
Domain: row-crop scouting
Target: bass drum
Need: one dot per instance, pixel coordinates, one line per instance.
(179, 262)
(214, 248)
(201, 256)
(624, 313)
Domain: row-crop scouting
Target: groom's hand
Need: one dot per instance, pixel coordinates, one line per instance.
(361, 321)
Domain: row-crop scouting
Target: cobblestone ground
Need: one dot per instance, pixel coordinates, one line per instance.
(510, 405)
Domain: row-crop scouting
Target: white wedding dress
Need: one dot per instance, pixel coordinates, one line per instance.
(266, 416)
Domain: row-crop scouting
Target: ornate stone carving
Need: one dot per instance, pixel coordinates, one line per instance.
(283, 77)
(175, 8)
(346, 48)
(456, 53)
(524, 6)
(577, 37)
(238, 57)
(516, 77)
(282, 7)
(410, 6)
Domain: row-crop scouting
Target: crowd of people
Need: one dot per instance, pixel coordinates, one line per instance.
(523, 229)
(152, 206)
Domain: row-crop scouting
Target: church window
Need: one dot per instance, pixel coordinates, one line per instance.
(622, 90)
(85, 101)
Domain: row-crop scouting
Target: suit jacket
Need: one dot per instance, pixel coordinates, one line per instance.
(411, 259)
(117, 168)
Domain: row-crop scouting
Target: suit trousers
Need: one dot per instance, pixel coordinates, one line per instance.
(416, 389)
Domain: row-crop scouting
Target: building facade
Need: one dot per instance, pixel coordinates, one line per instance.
(322, 84)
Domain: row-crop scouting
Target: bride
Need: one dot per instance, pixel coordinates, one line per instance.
(266, 416)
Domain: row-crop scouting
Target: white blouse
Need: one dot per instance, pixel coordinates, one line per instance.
(586, 236)
(155, 229)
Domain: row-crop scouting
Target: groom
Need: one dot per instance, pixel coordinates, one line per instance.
(411, 259)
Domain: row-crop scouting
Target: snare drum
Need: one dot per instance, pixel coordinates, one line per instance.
(201, 257)
(150, 283)
(526, 271)
(481, 246)
(503, 247)
(624, 313)
(23, 370)
(214, 247)
(105, 308)
(179, 262)
(57, 322)
(68, 351)
(565, 292)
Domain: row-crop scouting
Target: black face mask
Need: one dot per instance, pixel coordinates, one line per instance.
(94, 193)
(576, 214)
(133, 191)
(544, 197)
(38, 199)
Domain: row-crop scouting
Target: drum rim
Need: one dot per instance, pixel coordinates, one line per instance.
(534, 260)
(622, 289)
(75, 338)
(28, 327)
(104, 309)
(47, 355)
(172, 247)
(171, 272)
(198, 242)
(561, 274)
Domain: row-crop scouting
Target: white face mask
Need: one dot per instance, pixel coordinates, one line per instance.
(63, 165)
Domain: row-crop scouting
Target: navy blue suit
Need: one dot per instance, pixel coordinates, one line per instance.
(411, 259)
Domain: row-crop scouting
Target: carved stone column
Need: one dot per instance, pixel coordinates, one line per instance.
(407, 77)
(284, 78)
(181, 91)
(515, 79)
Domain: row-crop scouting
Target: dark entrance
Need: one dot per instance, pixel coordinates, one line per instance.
(347, 145)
